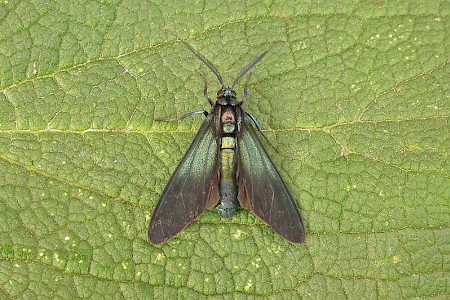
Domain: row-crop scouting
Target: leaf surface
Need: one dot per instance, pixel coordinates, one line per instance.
(354, 96)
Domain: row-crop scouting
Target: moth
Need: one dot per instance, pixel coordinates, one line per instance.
(226, 168)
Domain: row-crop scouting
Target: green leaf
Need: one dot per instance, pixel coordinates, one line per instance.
(354, 96)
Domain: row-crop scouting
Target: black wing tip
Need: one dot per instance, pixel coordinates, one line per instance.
(299, 239)
(155, 239)
(295, 233)
(153, 236)
(295, 236)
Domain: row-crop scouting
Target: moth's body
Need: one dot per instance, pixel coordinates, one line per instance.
(226, 167)
(227, 127)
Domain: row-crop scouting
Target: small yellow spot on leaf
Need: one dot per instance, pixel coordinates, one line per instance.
(396, 259)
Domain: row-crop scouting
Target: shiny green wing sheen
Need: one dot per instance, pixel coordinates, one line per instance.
(263, 190)
(185, 196)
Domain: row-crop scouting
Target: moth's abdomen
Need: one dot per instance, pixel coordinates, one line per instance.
(228, 203)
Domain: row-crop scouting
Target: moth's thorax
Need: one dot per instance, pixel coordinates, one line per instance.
(227, 96)
(228, 119)
(228, 115)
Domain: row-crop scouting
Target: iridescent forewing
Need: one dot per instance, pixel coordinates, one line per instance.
(262, 190)
(191, 189)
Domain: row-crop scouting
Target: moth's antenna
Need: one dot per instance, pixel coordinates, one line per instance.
(204, 60)
(248, 68)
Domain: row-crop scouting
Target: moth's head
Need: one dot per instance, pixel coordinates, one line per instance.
(227, 96)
